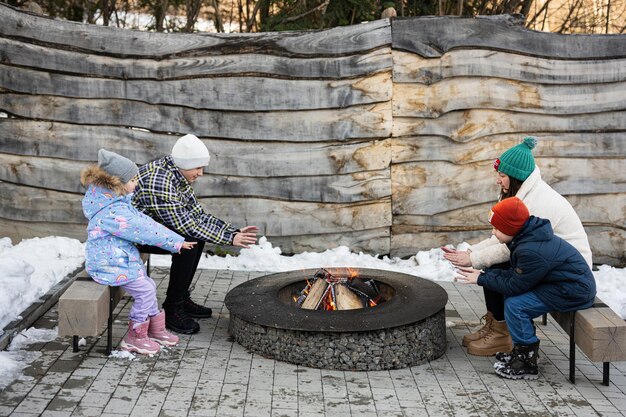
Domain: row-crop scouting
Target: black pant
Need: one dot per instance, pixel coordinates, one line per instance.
(184, 266)
(494, 301)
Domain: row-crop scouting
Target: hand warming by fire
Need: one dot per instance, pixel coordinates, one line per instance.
(326, 291)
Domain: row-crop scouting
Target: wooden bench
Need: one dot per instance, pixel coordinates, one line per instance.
(598, 331)
(86, 306)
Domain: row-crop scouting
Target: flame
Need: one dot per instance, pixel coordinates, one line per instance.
(352, 273)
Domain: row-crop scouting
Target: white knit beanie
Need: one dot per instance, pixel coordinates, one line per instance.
(189, 152)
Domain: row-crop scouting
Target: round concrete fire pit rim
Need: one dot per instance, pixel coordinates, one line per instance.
(414, 300)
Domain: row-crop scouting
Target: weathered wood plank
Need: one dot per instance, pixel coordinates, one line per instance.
(551, 145)
(420, 100)
(434, 36)
(366, 121)
(602, 340)
(17, 230)
(431, 188)
(63, 175)
(409, 67)
(372, 241)
(274, 218)
(228, 157)
(213, 93)
(34, 56)
(131, 43)
(592, 209)
(607, 243)
(463, 126)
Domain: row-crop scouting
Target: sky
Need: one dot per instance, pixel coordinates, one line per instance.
(33, 266)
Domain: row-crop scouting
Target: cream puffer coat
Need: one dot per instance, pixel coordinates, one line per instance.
(542, 201)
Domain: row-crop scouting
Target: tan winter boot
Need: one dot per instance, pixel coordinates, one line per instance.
(480, 333)
(496, 340)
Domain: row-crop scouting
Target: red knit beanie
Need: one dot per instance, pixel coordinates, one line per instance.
(509, 216)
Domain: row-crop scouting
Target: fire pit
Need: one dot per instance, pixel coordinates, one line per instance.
(406, 328)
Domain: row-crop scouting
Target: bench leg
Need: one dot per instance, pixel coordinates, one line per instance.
(544, 319)
(110, 323)
(148, 266)
(572, 349)
(605, 373)
(75, 343)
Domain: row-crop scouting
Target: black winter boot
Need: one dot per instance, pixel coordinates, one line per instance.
(519, 364)
(177, 320)
(502, 358)
(196, 310)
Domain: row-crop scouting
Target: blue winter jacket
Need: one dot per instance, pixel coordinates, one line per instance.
(548, 266)
(115, 226)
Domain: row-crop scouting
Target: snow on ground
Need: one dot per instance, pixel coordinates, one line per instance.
(32, 267)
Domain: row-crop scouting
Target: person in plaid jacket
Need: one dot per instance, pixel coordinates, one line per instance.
(164, 193)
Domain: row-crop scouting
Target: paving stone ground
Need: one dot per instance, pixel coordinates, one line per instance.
(210, 375)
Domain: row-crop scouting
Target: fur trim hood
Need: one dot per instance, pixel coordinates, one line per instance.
(99, 177)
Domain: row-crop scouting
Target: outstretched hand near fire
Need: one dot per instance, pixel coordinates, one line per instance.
(457, 257)
(467, 275)
(246, 236)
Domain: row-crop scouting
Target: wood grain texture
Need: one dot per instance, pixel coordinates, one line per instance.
(434, 36)
(436, 187)
(598, 332)
(63, 175)
(215, 93)
(366, 121)
(228, 157)
(131, 43)
(608, 210)
(467, 125)
(431, 101)
(91, 64)
(411, 68)
(487, 148)
(273, 217)
(372, 136)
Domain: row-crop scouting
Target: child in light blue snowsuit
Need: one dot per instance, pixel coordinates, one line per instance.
(111, 256)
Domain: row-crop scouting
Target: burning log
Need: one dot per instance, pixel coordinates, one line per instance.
(346, 299)
(315, 296)
(338, 292)
(364, 288)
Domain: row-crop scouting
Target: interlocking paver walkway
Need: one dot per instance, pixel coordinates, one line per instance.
(210, 375)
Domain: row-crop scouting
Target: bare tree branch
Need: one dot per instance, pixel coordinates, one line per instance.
(322, 6)
(250, 21)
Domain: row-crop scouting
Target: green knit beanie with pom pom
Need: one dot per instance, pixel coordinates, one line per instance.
(518, 162)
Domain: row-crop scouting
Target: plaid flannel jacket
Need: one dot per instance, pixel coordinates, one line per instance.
(166, 196)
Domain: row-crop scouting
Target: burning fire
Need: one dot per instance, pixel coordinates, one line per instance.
(339, 290)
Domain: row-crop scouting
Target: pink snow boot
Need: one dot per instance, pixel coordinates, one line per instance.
(157, 331)
(136, 339)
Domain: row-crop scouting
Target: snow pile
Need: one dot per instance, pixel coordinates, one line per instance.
(31, 268)
(264, 257)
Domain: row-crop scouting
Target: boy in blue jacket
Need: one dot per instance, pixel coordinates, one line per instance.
(547, 274)
(111, 257)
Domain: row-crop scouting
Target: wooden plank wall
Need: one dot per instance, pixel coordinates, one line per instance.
(377, 136)
(465, 90)
(298, 124)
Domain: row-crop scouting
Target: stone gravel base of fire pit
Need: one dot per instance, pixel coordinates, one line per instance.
(395, 348)
(405, 330)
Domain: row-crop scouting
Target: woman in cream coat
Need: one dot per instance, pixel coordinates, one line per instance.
(517, 176)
